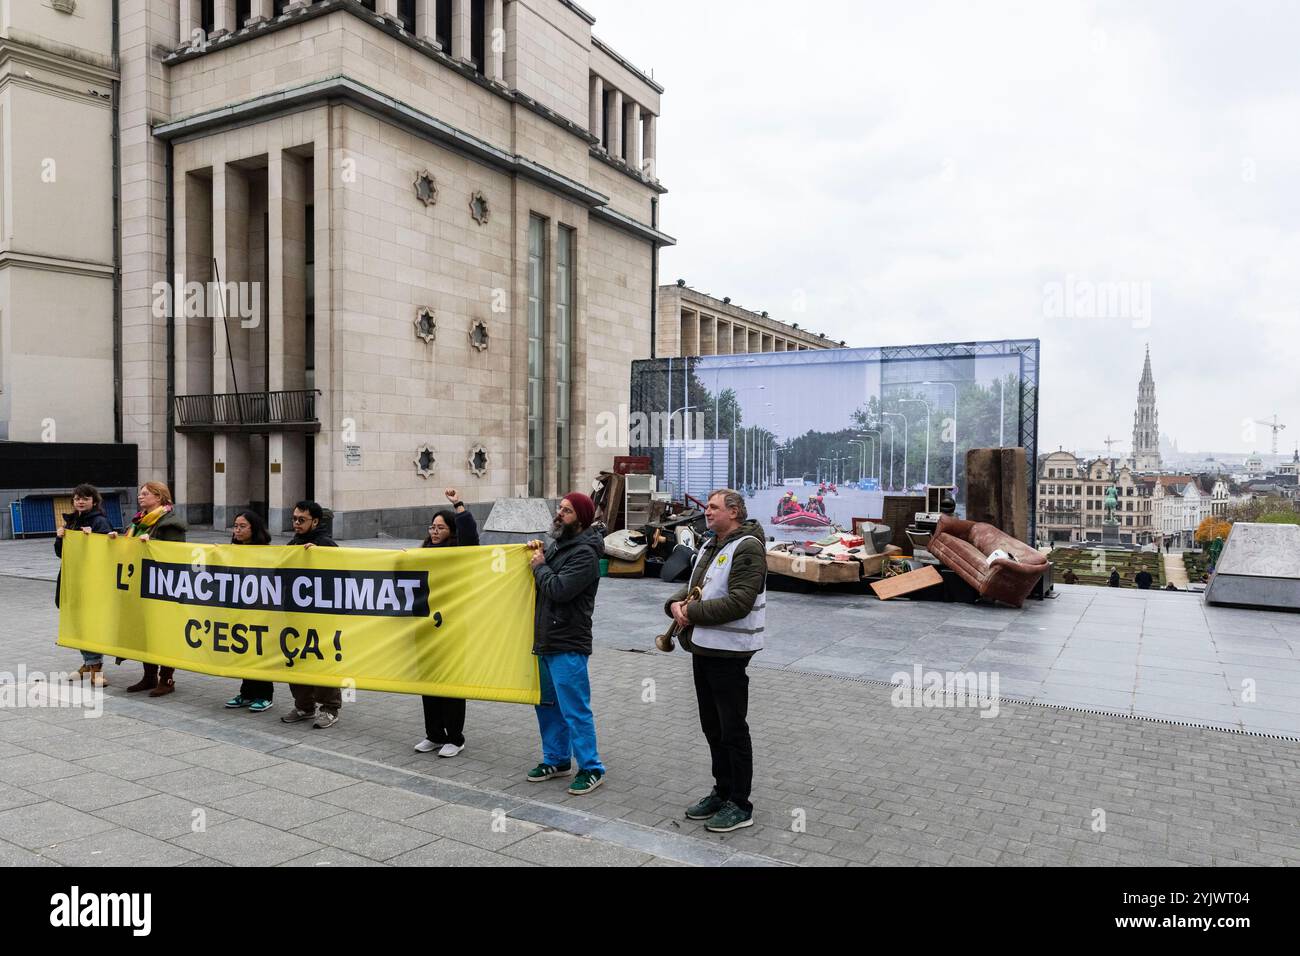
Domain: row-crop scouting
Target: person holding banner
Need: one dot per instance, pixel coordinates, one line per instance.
(155, 521)
(723, 630)
(309, 533)
(88, 518)
(256, 695)
(567, 574)
(444, 717)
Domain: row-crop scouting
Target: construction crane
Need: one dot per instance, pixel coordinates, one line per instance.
(1276, 428)
(1109, 451)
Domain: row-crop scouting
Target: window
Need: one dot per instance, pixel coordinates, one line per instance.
(478, 34)
(442, 27)
(536, 374)
(564, 261)
(207, 16)
(406, 13)
(242, 12)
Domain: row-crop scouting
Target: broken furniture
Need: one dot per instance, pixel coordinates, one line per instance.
(965, 547)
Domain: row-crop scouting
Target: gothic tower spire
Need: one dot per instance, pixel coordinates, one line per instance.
(1146, 423)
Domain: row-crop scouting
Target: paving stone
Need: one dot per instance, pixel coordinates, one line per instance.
(11, 855)
(299, 779)
(46, 824)
(550, 848)
(90, 791)
(386, 803)
(119, 847)
(245, 843)
(278, 809)
(163, 816)
(451, 853)
(482, 828)
(331, 857)
(366, 836)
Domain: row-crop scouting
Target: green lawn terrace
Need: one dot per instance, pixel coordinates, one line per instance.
(1093, 565)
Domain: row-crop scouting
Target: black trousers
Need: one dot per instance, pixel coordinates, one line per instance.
(444, 720)
(257, 690)
(722, 689)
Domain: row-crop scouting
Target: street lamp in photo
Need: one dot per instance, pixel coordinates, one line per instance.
(922, 401)
(877, 439)
(686, 434)
(953, 386)
(906, 486)
(735, 403)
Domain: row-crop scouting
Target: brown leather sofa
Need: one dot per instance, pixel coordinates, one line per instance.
(964, 546)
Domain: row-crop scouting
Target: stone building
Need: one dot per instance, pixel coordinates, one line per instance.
(434, 222)
(694, 323)
(1072, 500)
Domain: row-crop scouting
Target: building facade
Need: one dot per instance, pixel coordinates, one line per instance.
(1072, 501)
(368, 250)
(694, 323)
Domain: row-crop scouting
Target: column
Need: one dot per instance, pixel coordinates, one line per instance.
(615, 145)
(388, 10)
(326, 160)
(597, 122)
(259, 11)
(230, 479)
(426, 21)
(632, 123)
(461, 25)
(192, 235)
(224, 18)
(650, 147)
(496, 42)
(288, 181)
(188, 21)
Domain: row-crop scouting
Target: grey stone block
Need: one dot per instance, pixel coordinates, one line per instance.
(550, 848)
(119, 847)
(450, 853)
(91, 791)
(245, 843)
(40, 825)
(482, 828)
(364, 835)
(163, 816)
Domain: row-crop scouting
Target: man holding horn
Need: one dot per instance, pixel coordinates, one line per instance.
(723, 630)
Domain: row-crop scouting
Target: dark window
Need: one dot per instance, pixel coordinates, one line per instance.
(406, 11)
(208, 16)
(443, 26)
(609, 121)
(478, 34)
(243, 9)
(369, 5)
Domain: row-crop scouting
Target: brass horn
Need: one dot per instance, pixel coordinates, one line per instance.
(665, 641)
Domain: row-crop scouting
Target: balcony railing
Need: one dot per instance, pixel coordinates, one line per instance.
(248, 412)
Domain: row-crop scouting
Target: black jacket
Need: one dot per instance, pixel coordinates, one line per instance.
(566, 594)
(466, 533)
(317, 537)
(95, 520)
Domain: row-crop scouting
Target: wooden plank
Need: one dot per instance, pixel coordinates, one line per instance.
(907, 583)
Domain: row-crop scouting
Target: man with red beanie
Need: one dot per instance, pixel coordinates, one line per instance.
(567, 573)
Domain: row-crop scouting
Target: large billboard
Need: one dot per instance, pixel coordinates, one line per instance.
(846, 425)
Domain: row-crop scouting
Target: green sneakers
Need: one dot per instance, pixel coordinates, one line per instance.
(586, 781)
(729, 818)
(237, 702)
(706, 808)
(545, 771)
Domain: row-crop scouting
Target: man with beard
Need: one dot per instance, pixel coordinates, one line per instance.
(567, 574)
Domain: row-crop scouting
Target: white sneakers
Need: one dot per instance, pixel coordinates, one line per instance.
(427, 746)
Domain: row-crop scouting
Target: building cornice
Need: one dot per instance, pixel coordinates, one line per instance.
(604, 48)
(323, 8)
(16, 52)
(628, 224)
(591, 20)
(80, 267)
(343, 89)
(702, 300)
(599, 153)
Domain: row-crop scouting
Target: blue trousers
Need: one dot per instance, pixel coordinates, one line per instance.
(565, 719)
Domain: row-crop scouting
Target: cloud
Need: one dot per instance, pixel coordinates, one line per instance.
(923, 172)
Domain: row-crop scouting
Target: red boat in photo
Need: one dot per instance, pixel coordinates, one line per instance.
(798, 517)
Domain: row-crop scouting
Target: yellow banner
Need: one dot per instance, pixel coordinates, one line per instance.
(446, 622)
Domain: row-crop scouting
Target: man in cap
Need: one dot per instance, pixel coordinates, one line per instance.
(567, 574)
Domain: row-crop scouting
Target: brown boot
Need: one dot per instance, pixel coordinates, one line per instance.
(164, 688)
(148, 682)
(82, 673)
(97, 678)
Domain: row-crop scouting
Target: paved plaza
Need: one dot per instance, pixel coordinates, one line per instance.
(1058, 776)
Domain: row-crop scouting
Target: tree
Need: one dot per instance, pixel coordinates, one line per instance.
(1214, 526)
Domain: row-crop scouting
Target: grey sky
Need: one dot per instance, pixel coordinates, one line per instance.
(948, 171)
